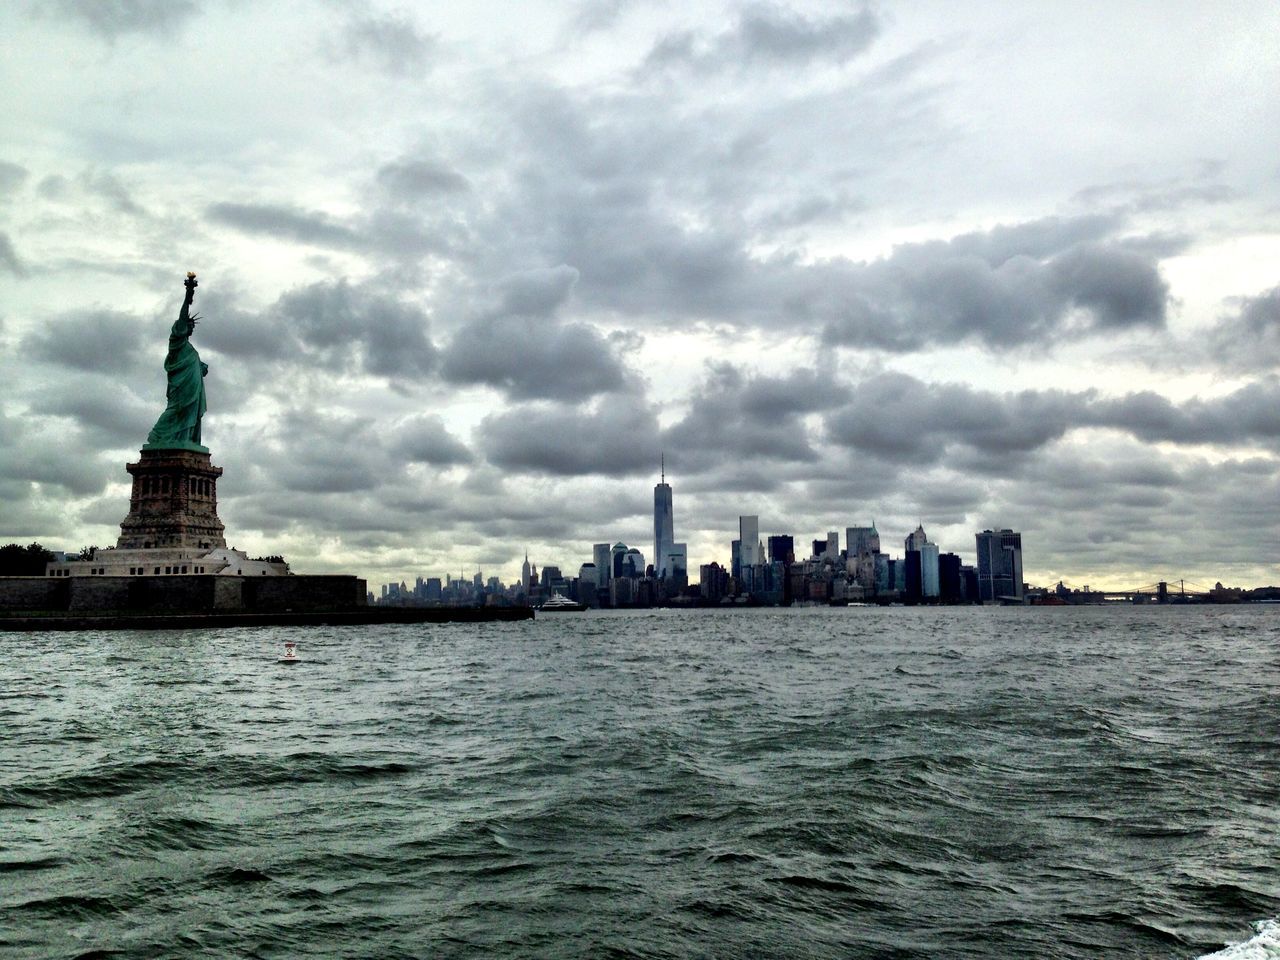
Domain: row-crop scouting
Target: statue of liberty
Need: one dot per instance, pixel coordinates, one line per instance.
(179, 426)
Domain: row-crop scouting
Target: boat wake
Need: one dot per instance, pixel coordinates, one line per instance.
(1264, 945)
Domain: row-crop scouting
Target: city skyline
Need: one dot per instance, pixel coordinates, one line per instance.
(469, 275)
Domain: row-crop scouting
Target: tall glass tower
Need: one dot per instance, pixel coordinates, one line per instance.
(999, 565)
(664, 535)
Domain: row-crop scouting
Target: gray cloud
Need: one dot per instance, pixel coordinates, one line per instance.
(121, 423)
(624, 193)
(1141, 197)
(537, 292)
(735, 418)
(241, 335)
(1117, 287)
(382, 231)
(114, 18)
(92, 340)
(767, 35)
(617, 439)
(900, 418)
(415, 178)
(802, 391)
(1250, 414)
(283, 222)
(12, 176)
(968, 291)
(745, 193)
(424, 439)
(392, 42)
(523, 349)
(1123, 505)
(351, 326)
(9, 259)
(1249, 338)
(530, 359)
(36, 452)
(309, 334)
(594, 15)
(53, 187)
(110, 188)
(314, 454)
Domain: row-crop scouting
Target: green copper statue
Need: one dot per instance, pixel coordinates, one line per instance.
(179, 426)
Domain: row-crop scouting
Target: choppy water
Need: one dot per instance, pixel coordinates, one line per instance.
(808, 783)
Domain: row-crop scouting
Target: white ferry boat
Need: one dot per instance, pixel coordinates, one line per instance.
(559, 603)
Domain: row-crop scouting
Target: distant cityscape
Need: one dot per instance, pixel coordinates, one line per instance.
(771, 572)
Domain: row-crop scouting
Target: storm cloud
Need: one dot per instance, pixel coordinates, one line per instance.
(616, 439)
(286, 223)
(9, 257)
(391, 42)
(1248, 337)
(768, 35)
(466, 279)
(91, 340)
(116, 18)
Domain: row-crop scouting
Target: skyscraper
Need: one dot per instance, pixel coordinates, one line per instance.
(525, 577)
(783, 548)
(749, 535)
(999, 564)
(930, 586)
(861, 540)
(664, 536)
(676, 562)
(633, 563)
(602, 558)
(749, 553)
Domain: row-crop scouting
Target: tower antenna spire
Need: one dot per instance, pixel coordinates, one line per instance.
(663, 461)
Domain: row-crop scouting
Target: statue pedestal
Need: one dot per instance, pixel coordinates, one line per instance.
(174, 502)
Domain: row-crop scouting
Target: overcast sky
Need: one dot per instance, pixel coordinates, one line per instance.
(468, 269)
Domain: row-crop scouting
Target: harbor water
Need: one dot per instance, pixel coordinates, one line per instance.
(862, 782)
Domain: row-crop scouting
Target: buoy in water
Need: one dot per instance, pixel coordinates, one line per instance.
(290, 653)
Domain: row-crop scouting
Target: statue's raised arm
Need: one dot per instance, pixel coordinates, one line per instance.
(190, 284)
(179, 426)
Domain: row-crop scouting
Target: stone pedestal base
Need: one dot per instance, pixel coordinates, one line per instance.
(174, 502)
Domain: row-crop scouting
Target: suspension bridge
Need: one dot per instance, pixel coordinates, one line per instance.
(1163, 591)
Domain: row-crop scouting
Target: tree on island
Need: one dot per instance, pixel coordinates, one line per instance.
(19, 561)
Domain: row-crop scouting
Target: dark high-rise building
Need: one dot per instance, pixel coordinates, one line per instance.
(633, 564)
(713, 582)
(782, 548)
(861, 541)
(950, 586)
(664, 536)
(915, 584)
(999, 565)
